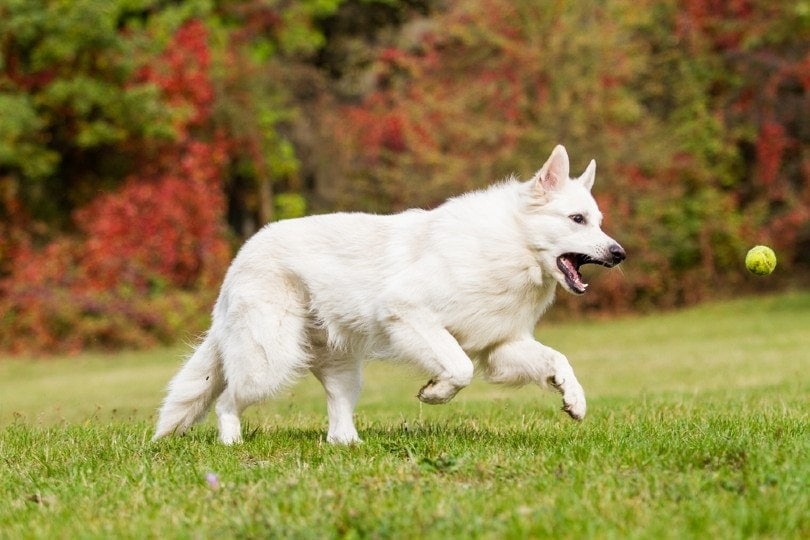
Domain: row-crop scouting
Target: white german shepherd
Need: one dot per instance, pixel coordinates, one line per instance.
(448, 289)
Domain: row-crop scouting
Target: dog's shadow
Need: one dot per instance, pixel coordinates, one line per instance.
(413, 441)
(425, 438)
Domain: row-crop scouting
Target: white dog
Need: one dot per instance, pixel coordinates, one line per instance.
(448, 289)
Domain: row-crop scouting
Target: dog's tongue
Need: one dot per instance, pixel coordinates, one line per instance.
(572, 276)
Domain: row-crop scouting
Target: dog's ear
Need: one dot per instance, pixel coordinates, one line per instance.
(589, 175)
(554, 172)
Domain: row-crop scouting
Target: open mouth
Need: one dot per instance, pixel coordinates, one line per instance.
(570, 263)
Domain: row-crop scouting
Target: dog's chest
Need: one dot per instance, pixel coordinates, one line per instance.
(480, 325)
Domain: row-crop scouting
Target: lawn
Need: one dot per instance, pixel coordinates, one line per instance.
(697, 427)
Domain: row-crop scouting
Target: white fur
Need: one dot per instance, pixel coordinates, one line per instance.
(461, 285)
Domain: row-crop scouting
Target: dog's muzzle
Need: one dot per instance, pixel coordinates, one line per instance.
(570, 263)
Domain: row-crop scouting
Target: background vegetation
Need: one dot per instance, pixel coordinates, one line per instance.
(141, 140)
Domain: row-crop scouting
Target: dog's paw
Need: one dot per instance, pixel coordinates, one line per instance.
(575, 408)
(573, 397)
(229, 439)
(436, 392)
(348, 438)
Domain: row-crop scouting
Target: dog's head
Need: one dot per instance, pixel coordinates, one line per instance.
(563, 223)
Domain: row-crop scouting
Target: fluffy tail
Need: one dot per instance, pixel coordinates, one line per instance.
(191, 391)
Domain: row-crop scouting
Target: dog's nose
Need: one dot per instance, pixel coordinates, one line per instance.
(617, 252)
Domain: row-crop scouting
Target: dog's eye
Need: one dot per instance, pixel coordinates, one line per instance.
(578, 218)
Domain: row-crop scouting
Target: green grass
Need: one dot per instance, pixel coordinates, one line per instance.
(697, 427)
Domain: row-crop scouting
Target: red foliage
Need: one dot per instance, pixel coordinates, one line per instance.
(716, 19)
(165, 222)
(121, 281)
(378, 131)
(167, 227)
(440, 104)
(182, 73)
(771, 145)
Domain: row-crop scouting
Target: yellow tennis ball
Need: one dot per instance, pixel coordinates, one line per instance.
(760, 260)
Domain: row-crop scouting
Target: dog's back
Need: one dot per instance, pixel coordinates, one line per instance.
(465, 261)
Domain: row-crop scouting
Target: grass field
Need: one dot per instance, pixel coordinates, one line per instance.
(697, 428)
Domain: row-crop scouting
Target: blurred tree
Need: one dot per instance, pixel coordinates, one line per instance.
(130, 129)
(264, 45)
(283, 66)
(96, 260)
(68, 98)
(762, 90)
(472, 94)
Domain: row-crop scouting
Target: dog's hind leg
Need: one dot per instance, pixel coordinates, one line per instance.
(414, 335)
(263, 350)
(524, 361)
(229, 408)
(342, 381)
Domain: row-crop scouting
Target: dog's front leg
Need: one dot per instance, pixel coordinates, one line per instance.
(416, 336)
(524, 361)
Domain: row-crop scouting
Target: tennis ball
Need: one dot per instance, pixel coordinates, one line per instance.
(760, 260)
